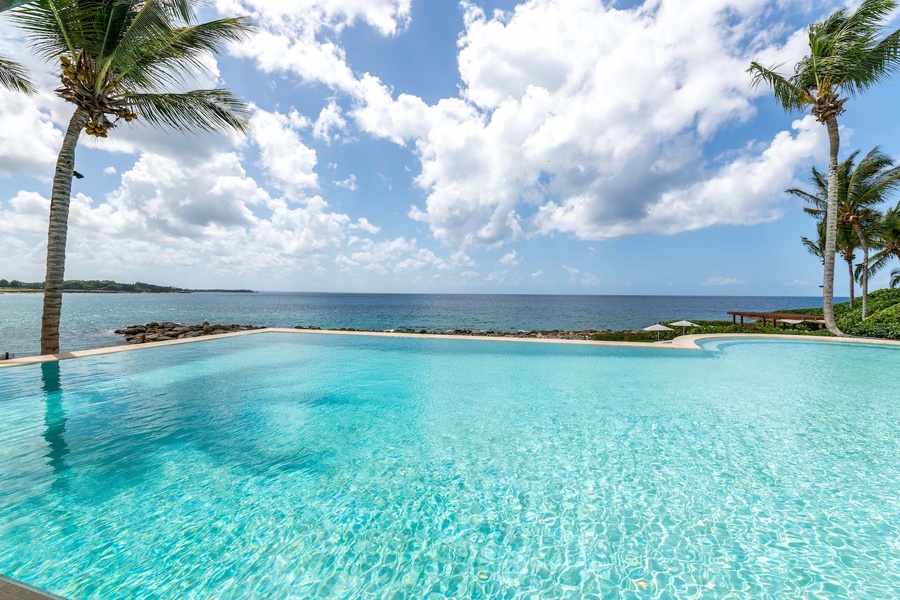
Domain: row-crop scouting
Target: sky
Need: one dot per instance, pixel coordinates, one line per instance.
(485, 146)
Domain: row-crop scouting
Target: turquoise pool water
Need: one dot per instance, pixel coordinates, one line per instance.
(293, 466)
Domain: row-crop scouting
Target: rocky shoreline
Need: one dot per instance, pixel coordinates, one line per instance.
(161, 332)
(554, 334)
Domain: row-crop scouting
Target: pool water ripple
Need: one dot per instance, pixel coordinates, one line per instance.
(277, 466)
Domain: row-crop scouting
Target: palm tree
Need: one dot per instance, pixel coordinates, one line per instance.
(861, 189)
(895, 278)
(117, 58)
(846, 57)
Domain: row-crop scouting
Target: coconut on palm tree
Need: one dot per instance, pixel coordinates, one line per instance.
(862, 188)
(118, 60)
(848, 54)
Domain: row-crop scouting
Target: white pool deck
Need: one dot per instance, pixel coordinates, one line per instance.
(684, 342)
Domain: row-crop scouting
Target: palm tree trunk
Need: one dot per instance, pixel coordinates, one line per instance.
(56, 236)
(865, 269)
(834, 138)
(849, 261)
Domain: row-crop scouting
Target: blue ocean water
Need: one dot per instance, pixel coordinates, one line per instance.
(89, 319)
(298, 466)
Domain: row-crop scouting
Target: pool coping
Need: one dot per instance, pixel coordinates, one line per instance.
(10, 589)
(685, 342)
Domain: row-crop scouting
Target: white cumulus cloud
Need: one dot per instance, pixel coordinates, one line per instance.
(579, 117)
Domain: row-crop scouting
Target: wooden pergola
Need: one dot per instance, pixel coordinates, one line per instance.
(765, 317)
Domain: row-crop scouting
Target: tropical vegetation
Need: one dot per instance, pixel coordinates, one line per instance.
(862, 189)
(118, 61)
(887, 238)
(883, 322)
(848, 54)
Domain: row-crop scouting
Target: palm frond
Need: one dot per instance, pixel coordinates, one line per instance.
(48, 27)
(791, 97)
(197, 111)
(150, 20)
(810, 199)
(888, 240)
(878, 261)
(895, 278)
(14, 77)
(168, 58)
(876, 178)
(816, 248)
(857, 59)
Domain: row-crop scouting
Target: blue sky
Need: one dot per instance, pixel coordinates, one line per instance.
(548, 146)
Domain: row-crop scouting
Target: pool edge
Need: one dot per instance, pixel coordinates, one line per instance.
(690, 342)
(16, 590)
(687, 342)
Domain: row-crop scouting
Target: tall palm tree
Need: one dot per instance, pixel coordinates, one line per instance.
(847, 55)
(895, 278)
(861, 189)
(117, 60)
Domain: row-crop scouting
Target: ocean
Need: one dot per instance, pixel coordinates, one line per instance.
(88, 320)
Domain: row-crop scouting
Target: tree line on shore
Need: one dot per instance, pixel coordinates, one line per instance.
(107, 286)
(94, 285)
(119, 60)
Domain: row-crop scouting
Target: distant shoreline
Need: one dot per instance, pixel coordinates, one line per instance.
(118, 292)
(8, 291)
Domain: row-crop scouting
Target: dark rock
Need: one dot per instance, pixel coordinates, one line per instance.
(159, 332)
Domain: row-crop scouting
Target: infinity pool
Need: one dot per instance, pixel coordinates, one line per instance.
(299, 466)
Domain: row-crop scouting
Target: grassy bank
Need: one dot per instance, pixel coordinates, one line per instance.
(883, 322)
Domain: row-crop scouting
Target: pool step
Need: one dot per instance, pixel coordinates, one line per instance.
(14, 590)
